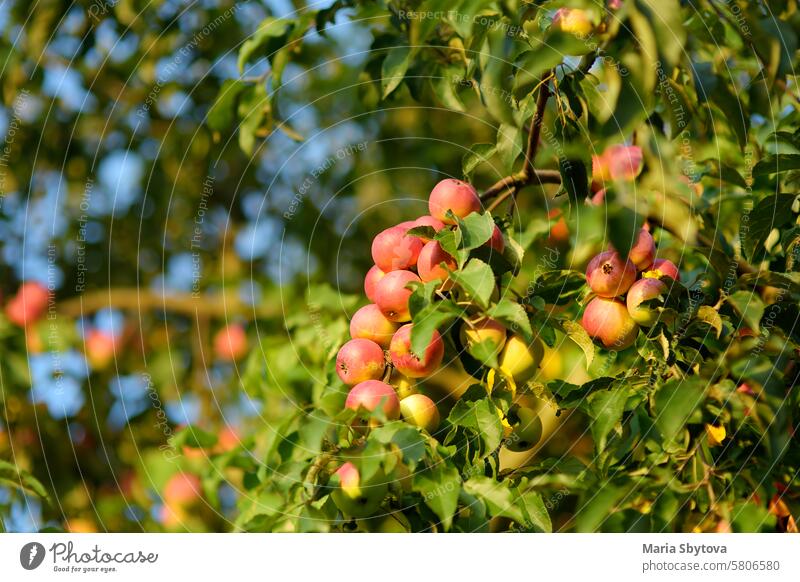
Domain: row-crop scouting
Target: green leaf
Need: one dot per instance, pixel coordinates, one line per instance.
(749, 307)
(667, 21)
(223, 112)
(509, 145)
(269, 36)
(253, 107)
(477, 280)
(623, 228)
(394, 68)
(606, 410)
(577, 334)
(725, 173)
(445, 90)
(481, 417)
(674, 404)
(476, 229)
(771, 212)
(598, 504)
(428, 320)
(478, 154)
(194, 437)
(15, 477)
(533, 504)
(485, 352)
(512, 315)
(777, 164)
(409, 440)
(734, 112)
(574, 179)
(440, 487)
(312, 431)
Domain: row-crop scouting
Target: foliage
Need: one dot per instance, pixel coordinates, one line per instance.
(267, 146)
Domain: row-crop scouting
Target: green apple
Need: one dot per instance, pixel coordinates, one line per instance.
(420, 411)
(527, 432)
(520, 359)
(356, 497)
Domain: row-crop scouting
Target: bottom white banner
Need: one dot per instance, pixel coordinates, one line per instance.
(400, 557)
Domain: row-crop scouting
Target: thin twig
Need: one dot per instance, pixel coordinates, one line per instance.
(507, 186)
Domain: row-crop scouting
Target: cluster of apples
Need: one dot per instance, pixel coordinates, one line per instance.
(621, 288)
(378, 362)
(383, 327)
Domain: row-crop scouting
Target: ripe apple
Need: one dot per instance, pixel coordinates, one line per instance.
(359, 360)
(519, 359)
(392, 295)
(608, 320)
(356, 497)
(371, 394)
(420, 411)
(527, 432)
(559, 231)
(496, 241)
(394, 250)
(664, 268)
(370, 323)
(643, 252)
(641, 291)
(429, 265)
(454, 195)
(29, 304)
(100, 347)
(230, 343)
(371, 281)
(617, 162)
(573, 21)
(182, 489)
(485, 329)
(410, 364)
(608, 275)
(403, 385)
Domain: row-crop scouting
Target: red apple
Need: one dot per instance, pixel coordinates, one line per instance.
(372, 394)
(391, 295)
(359, 360)
(454, 195)
(608, 320)
(370, 323)
(29, 304)
(394, 250)
(496, 241)
(371, 280)
(230, 343)
(664, 268)
(641, 291)
(100, 347)
(429, 265)
(643, 252)
(182, 489)
(410, 364)
(608, 275)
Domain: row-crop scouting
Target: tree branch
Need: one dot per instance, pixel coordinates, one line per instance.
(139, 299)
(507, 186)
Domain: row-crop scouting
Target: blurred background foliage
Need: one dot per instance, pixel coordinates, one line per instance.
(170, 168)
